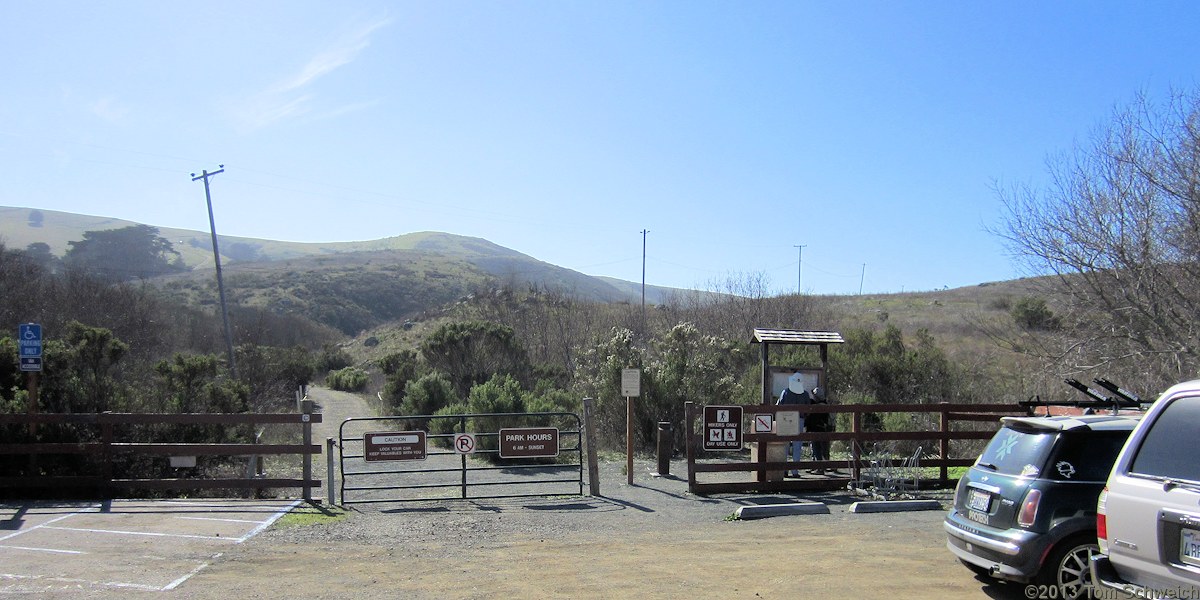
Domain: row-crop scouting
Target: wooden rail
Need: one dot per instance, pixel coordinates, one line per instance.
(109, 448)
(760, 466)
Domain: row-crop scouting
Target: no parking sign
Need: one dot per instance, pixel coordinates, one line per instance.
(464, 443)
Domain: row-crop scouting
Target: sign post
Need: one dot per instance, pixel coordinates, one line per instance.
(29, 344)
(631, 387)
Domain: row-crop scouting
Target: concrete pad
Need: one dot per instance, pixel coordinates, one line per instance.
(141, 545)
(780, 510)
(880, 506)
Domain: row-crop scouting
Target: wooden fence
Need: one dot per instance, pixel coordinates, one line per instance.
(767, 474)
(109, 448)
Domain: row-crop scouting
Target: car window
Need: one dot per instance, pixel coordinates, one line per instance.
(1167, 448)
(1085, 455)
(1016, 452)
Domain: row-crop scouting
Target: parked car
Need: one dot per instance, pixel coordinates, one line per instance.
(1148, 517)
(1026, 510)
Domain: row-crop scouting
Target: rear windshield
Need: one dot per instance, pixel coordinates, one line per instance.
(1167, 448)
(1014, 452)
(1085, 455)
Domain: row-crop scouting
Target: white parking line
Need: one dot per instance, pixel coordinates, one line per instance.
(274, 513)
(149, 533)
(71, 580)
(43, 549)
(275, 517)
(46, 524)
(178, 582)
(222, 520)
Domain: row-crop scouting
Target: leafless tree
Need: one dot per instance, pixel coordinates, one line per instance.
(1119, 225)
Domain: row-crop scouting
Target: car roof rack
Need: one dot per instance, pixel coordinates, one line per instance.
(1097, 400)
(1118, 390)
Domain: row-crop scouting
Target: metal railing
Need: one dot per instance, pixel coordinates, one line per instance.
(429, 465)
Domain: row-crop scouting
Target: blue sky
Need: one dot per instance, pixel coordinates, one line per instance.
(871, 133)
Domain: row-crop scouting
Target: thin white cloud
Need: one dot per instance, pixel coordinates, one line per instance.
(347, 109)
(292, 98)
(109, 109)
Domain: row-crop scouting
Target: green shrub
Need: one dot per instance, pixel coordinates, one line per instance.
(1033, 314)
(349, 379)
(333, 358)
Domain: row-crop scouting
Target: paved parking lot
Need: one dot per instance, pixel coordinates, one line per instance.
(147, 545)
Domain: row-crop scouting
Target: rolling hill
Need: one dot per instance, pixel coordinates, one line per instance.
(20, 227)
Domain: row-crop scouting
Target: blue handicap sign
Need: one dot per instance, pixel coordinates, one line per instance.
(29, 339)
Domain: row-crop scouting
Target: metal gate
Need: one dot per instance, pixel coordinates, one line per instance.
(469, 456)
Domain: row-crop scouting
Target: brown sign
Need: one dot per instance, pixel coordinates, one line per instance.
(722, 428)
(529, 442)
(394, 445)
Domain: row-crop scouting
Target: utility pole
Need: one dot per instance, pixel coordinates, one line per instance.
(644, 232)
(800, 271)
(212, 224)
(861, 279)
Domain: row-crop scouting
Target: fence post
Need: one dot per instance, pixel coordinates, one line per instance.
(462, 457)
(629, 435)
(855, 446)
(944, 446)
(329, 473)
(689, 441)
(665, 439)
(106, 437)
(306, 409)
(592, 458)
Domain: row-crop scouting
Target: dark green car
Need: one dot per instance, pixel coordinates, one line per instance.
(1026, 511)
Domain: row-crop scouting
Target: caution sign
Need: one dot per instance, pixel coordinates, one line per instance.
(394, 445)
(529, 442)
(722, 428)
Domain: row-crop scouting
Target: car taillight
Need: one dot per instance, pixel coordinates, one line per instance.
(1102, 521)
(1029, 508)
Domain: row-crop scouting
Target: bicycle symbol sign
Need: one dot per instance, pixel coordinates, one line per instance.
(464, 443)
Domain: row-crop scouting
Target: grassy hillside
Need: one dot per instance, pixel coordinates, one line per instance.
(373, 287)
(20, 227)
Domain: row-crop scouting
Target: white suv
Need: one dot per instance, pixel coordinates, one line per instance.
(1148, 517)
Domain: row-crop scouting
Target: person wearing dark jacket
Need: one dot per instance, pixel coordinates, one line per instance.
(819, 422)
(795, 393)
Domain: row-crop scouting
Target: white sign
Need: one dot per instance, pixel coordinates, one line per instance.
(631, 383)
(762, 423)
(464, 443)
(787, 423)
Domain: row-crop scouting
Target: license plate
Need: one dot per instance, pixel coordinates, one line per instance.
(1189, 547)
(978, 517)
(978, 500)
